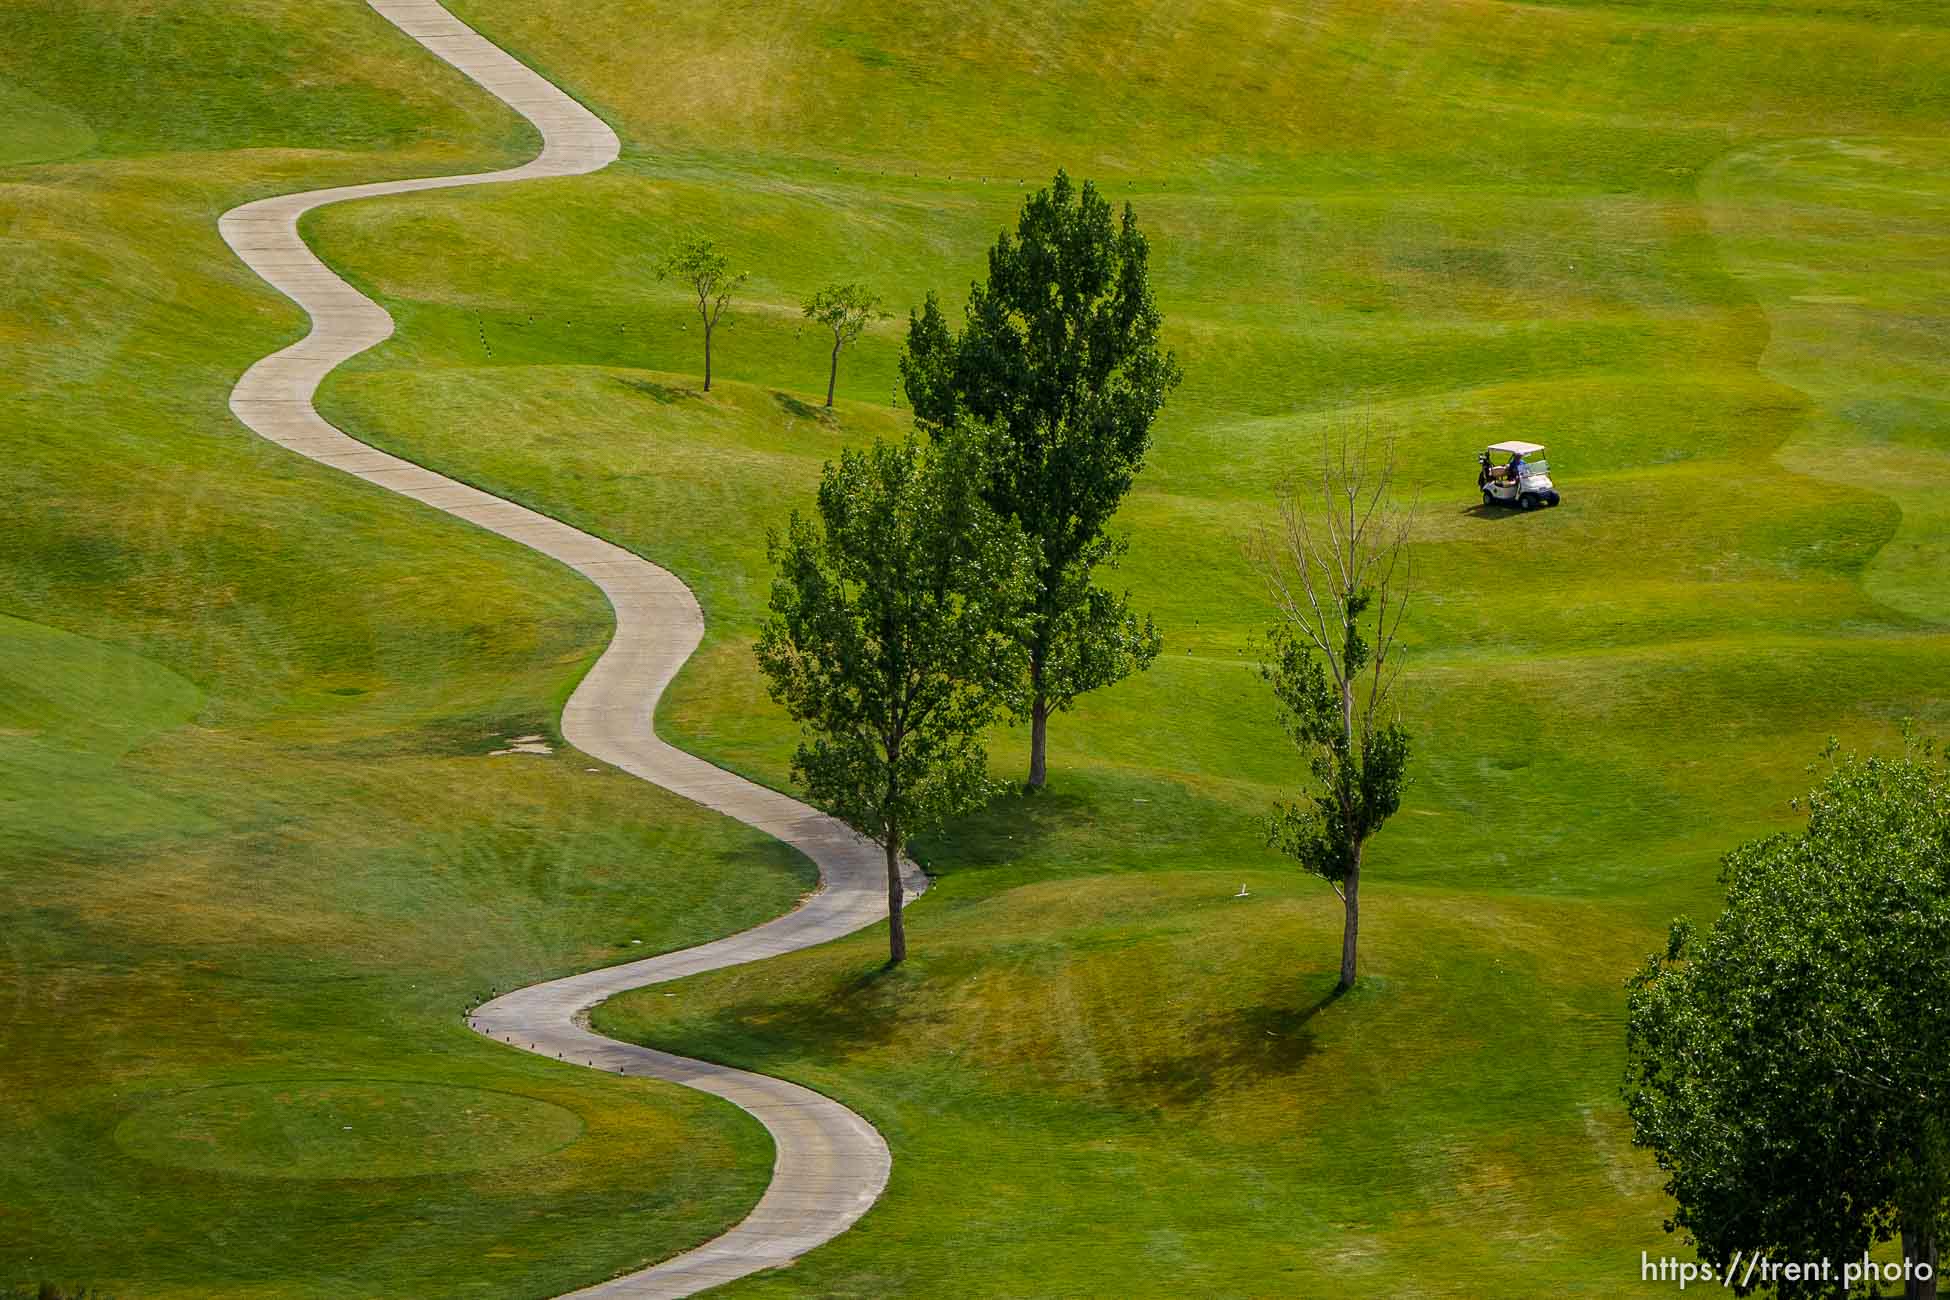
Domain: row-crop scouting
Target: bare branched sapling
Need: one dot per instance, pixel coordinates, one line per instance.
(1339, 567)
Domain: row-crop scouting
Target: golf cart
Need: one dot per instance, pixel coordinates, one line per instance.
(1522, 480)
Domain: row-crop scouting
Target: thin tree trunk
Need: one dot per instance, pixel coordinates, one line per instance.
(1919, 1249)
(1351, 887)
(1351, 927)
(707, 357)
(1038, 719)
(833, 375)
(896, 924)
(1038, 741)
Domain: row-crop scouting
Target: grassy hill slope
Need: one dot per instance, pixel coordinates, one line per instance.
(1463, 221)
(255, 853)
(258, 847)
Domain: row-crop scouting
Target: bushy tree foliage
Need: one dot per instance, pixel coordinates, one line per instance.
(894, 637)
(1788, 1070)
(1058, 363)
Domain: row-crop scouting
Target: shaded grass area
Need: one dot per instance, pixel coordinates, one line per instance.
(1146, 1083)
(255, 857)
(1100, 1073)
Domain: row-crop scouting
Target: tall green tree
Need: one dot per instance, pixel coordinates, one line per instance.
(846, 310)
(1339, 568)
(698, 263)
(893, 639)
(1058, 362)
(1788, 1071)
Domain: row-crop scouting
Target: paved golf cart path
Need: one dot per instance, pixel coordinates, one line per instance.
(831, 1165)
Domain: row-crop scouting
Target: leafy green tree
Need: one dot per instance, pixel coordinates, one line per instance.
(893, 640)
(1339, 569)
(1788, 1071)
(846, 310)
(698, 263)
(1058, 361)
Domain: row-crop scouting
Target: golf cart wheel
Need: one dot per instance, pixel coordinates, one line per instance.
(1489, 499)
(1528, 501)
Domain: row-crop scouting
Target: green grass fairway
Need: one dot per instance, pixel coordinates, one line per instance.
(1697, 247)
(1641, 234)
(255, 855)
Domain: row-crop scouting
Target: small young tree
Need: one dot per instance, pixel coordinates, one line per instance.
(846, 310)
(893, 640)
(1788, 1071)
(698, 263)
(1059, 357)
(1339, 569)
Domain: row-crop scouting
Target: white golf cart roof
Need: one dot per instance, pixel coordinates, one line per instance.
(1516, 448)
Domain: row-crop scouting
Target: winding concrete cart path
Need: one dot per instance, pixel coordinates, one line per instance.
(830, 1165)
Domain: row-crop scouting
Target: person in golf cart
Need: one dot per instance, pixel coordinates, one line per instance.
(1506, 473)
(1522, 481)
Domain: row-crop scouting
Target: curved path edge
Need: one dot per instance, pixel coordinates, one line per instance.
(830, 1164)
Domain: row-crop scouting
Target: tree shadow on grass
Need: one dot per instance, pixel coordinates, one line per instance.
(1007, 830)
(1248, 1043)
(870, 1010)
(1089, 824)
(662, 394)
(802, 410)
(860, 1013)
